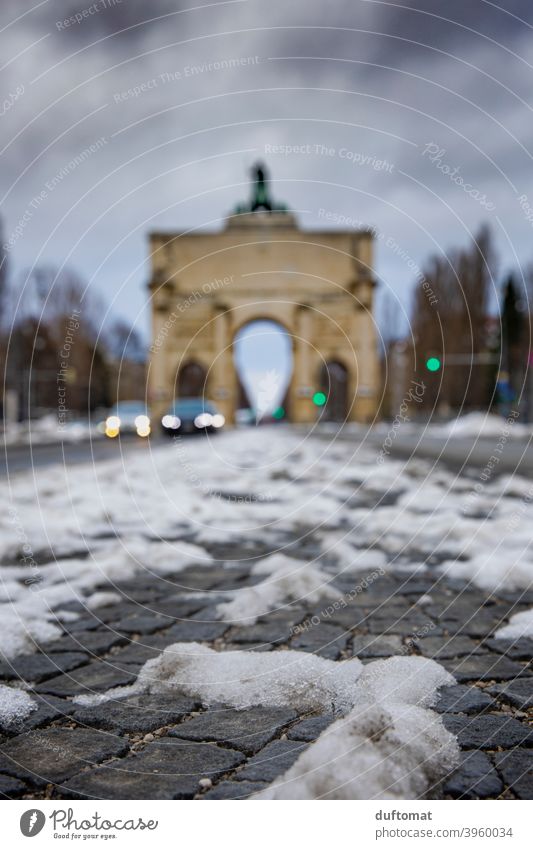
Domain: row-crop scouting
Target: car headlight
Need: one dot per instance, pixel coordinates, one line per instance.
(203, 420)
(143, 431)
(172, 422)
(142, 422)
(112, 423)
(218, 420)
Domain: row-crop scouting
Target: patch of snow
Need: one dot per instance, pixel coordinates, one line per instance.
(15, 706)
(493, 570)
(31, 615)
(519, 625)
(102, 599)
(423, 600)
(480, 425)
(288, 580)
(300, 680)
(341, 547)
(390, 745)
(24, 629)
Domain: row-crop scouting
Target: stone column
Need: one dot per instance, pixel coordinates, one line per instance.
(222, 381)
(303, 380)
(160, 390)
(364, 383)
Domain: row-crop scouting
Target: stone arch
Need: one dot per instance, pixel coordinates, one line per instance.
(275, 313)
(260, 265)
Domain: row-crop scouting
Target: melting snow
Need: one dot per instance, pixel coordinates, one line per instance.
(301, 680)
(499, 569)
(15, 706)
(287, 580)
(388, 745)
(520, 625)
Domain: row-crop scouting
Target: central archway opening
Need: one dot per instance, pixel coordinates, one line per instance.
(262, 351)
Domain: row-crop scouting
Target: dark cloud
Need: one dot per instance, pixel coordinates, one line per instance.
(180, 126)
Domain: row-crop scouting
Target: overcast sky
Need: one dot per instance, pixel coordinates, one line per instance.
(376, 83)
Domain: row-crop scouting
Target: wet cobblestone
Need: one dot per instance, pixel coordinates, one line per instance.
(163, 746)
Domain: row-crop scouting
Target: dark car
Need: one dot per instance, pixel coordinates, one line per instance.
(127, 417)
(192, 415)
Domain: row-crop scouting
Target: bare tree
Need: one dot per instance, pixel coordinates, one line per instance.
(391, 324)
(55, 322)
(452, 323)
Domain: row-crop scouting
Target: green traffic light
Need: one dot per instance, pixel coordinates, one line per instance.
(279, 413)
(319, 399)
(433, 364)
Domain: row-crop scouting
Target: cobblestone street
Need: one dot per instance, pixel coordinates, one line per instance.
(168, 745)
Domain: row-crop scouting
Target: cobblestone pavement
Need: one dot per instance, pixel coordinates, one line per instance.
(169, 747)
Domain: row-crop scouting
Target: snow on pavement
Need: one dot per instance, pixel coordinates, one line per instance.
(15, 706)
(519, 625)
(116, 519)
(295, 679)
(287, 579)
(387, 745)
(72, 535)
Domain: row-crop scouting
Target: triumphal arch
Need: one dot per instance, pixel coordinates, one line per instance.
(317, 284)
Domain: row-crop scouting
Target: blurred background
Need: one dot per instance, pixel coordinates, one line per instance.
(410, 120)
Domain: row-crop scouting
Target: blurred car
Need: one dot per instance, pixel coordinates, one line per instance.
(127, 417)
(192, 415)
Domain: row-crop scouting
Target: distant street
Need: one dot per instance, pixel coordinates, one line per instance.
(20, 458)
(455, 453)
